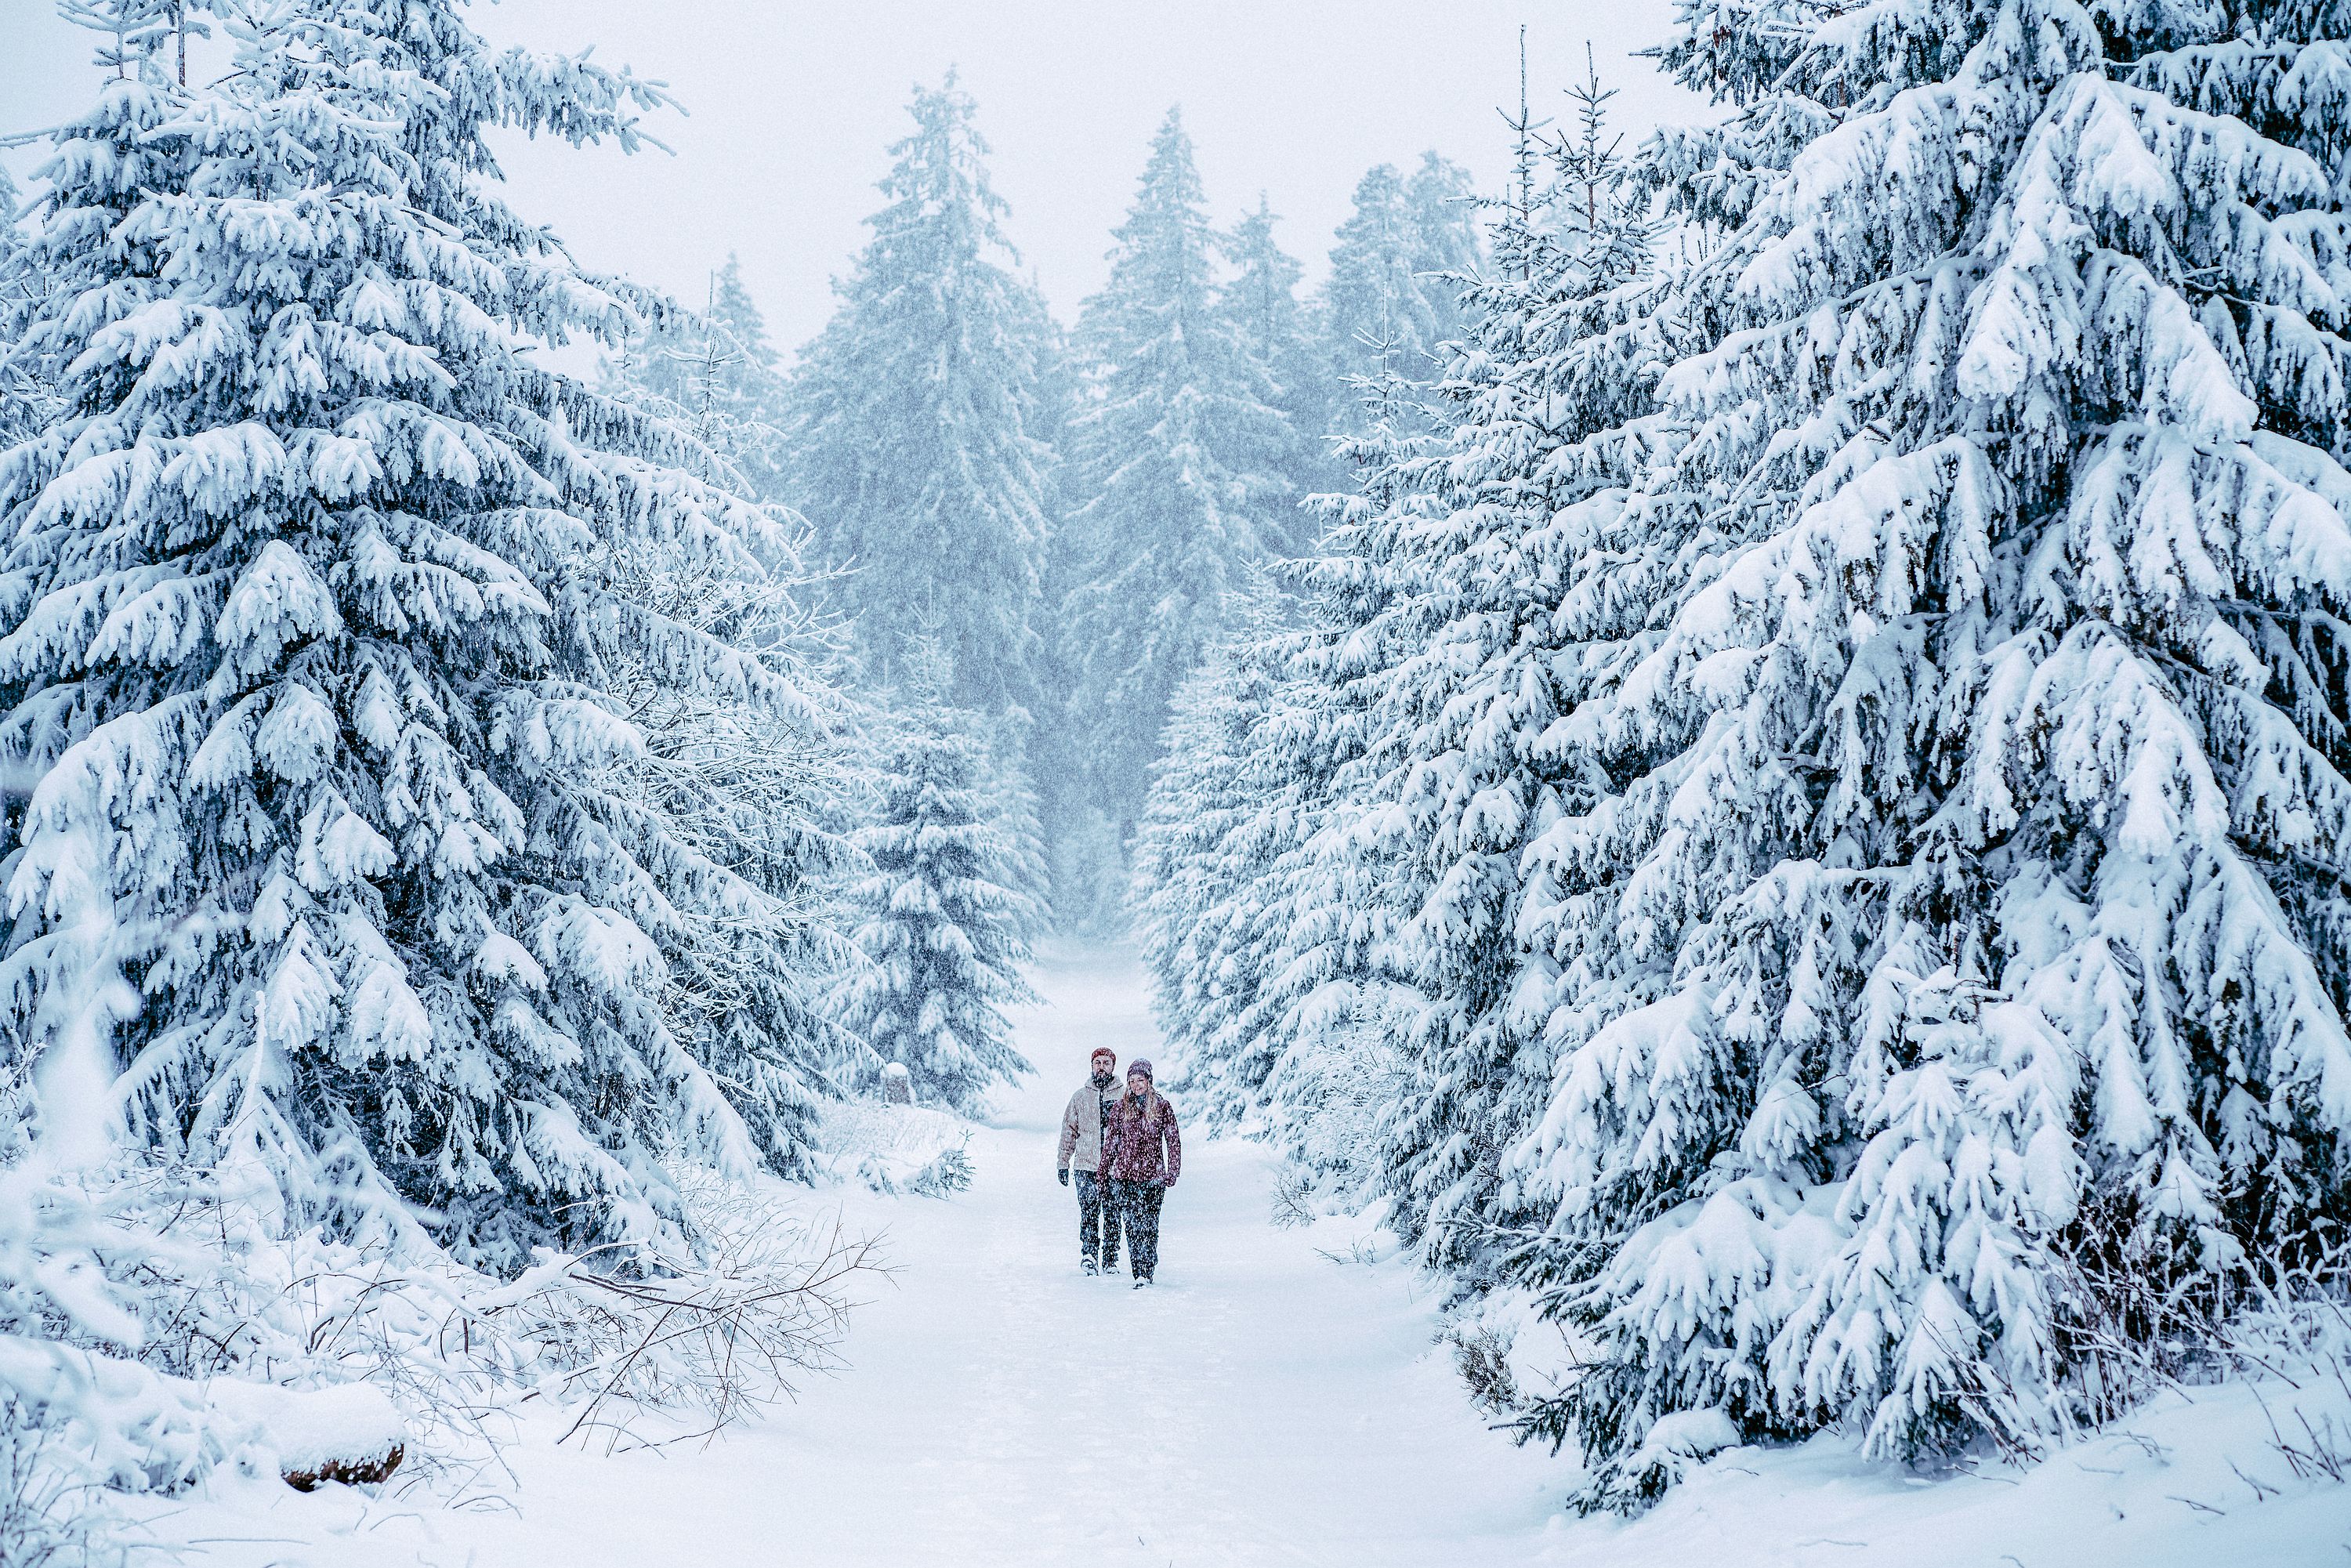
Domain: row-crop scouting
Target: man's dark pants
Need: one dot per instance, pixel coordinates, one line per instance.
(1096, 1219)
(1135, 1205)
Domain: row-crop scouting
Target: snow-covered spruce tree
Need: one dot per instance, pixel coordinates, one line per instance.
(1252, 901)
(1323, 916)
(943, 924)
(25, 382)
(310, 622)
(762, 789)
(1961, 880)
(1495, 636)
(1259, 298)
(909, 443)
(1178, 460)
(753, 793)
(1210, 837)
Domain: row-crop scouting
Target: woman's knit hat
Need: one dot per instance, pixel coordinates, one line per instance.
(1138, 1065)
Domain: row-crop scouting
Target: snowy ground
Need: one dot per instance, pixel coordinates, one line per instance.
(1262, 1405)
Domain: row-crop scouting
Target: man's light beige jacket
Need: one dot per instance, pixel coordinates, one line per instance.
(1082, 1129)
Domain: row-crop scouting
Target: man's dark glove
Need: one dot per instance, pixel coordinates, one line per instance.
(1065, 1174)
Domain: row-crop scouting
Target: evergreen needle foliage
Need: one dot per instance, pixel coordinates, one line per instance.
(944, 919)
(322, 603)
(1179, 454)
(911, 420)
(1838, 751)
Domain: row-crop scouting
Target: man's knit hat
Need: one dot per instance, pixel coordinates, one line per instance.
(1138, 1065)
(1103, 1051)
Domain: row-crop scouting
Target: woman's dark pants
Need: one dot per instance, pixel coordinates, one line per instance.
(1134, 1205)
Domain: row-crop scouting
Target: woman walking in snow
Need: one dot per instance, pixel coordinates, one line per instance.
(1081, 1148)
(1142, 1156)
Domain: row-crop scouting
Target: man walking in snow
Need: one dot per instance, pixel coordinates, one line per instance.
(1141, 1159)
(1081, 1147)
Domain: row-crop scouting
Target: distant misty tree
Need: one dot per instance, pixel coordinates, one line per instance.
(1393, 297)
(911, 448)
(1179, 459)
(713, 373)
(1261, 301)
(733, 312)
(1447, 245)
(1054, 392)
(1373, 308)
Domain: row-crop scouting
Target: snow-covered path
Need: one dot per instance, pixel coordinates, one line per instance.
(1261, 1404)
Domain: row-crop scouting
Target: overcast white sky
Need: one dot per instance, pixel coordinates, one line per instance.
(790, 104)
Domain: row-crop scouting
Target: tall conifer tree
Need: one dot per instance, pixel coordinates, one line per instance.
(1259, 298)
(1179, 460)
(1393, 299)
(911, 451)
(1957, 880)
(943, 921)
(313, 595)
(1495, 635)
(1257, 884)
(1376, 315)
